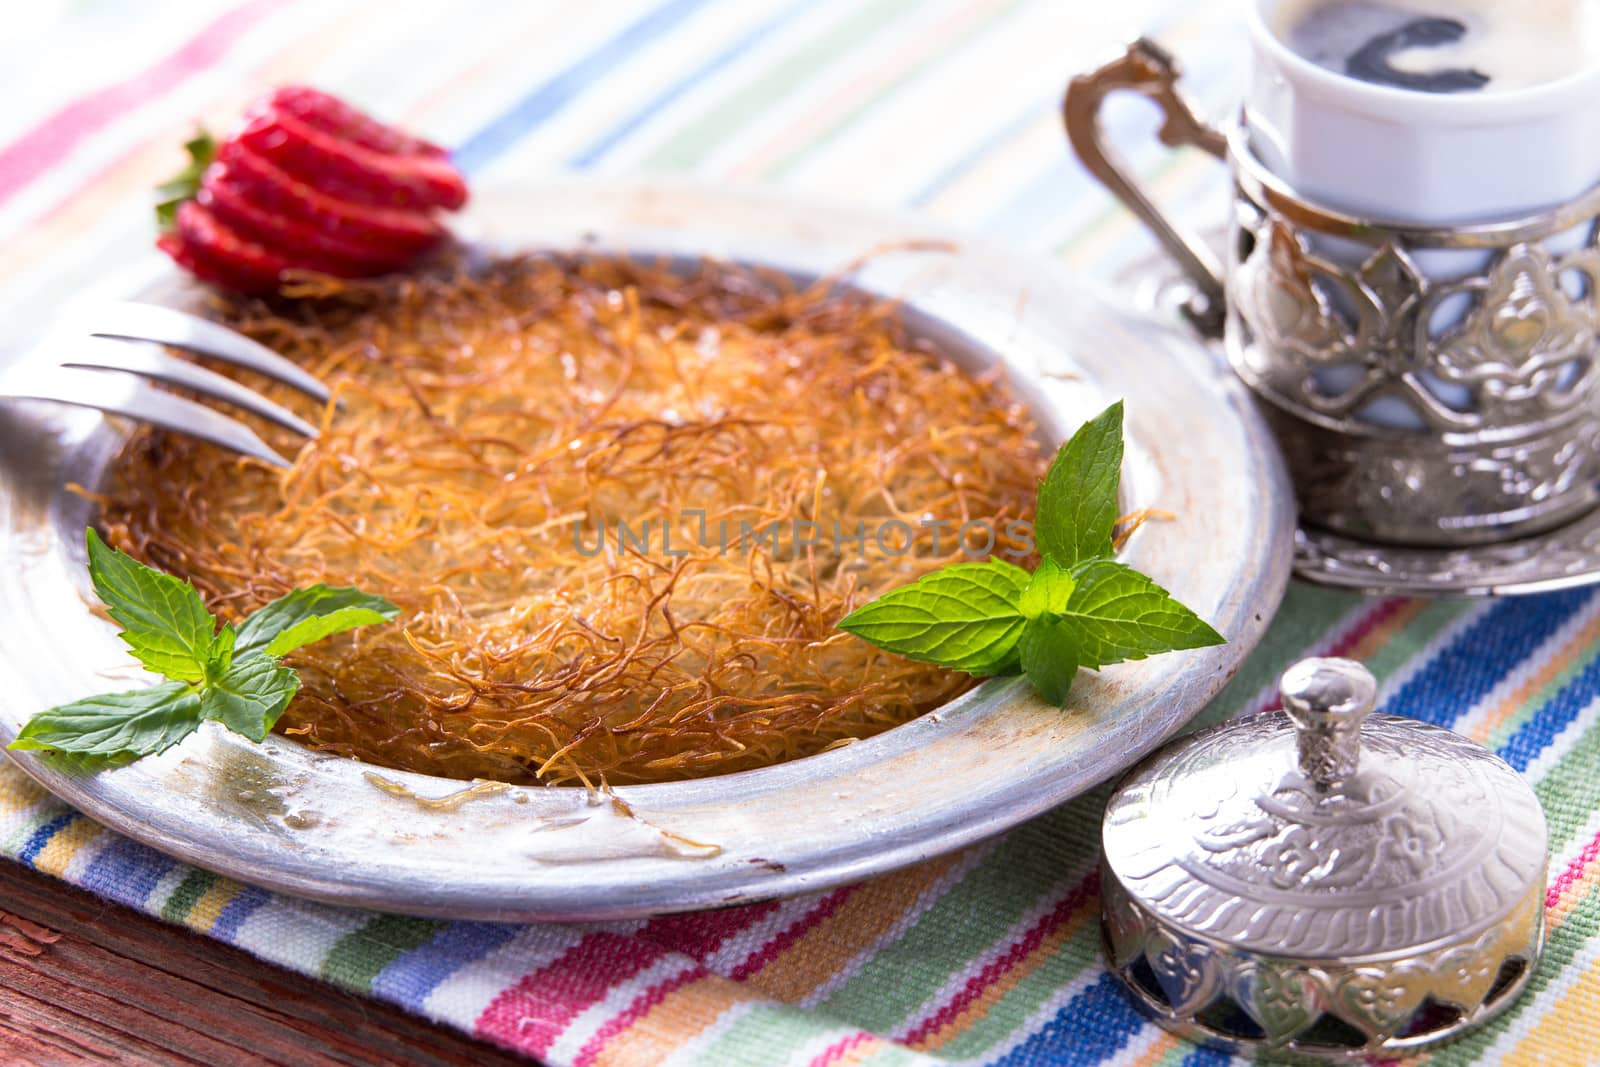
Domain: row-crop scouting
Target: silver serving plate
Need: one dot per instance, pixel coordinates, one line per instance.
(339, 830)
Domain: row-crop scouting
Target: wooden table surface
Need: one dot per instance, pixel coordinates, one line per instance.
(83, 980)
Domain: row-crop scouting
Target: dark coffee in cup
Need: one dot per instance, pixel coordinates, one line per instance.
(1445, 46)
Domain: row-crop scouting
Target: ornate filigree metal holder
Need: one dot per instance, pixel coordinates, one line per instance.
(1322, 882)
(1435, 390)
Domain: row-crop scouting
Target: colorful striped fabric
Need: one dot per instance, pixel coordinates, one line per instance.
(947, 106)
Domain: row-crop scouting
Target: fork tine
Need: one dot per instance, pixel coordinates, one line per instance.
(124, 395)
(167, 326)
(100, 353)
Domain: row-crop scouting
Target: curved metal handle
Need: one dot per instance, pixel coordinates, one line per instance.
(1148, 69)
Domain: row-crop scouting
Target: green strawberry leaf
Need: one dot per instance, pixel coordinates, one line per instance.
(164, 621)
(202, 149)
(965, 617)
(250, 697)
(1118, 614)
(1077, 508)
(1049, 650)
(140, 723)
(309, 615)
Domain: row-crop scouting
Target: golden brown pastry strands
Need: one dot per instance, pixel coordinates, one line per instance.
(486, 411)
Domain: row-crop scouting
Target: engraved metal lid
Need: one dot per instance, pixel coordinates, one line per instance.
(1322, 880)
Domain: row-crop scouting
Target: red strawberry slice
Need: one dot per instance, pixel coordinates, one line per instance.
(186, 256)
(333, 116)
(389, 231)
(215, 253)
(347, 170)
(224, 196)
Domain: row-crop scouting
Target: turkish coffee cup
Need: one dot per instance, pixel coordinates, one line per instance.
(1411, 281)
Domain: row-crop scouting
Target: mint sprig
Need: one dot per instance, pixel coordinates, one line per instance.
(232, 676)
(1079, 608)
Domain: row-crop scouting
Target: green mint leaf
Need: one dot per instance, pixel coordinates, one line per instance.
(1007, 660)
(1002, 658)
(221, 657)
(141, 723)
(965, 616)
(1118, 614)
(1049, 650)
(308, 615)
(309, 631)
(1078, 497)
(1048, 591)
(250, 697)
(170, 194)
(164, 621)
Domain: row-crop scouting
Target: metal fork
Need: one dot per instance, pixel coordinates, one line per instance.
(102, 370)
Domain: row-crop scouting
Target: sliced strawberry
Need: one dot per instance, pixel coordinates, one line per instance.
(345, 169)
(213, 253)
(223, 195)
(185, 256)
(333, 116)
(387, 231)
(311, 183)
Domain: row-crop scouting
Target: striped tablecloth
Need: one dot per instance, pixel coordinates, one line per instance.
(946, 106)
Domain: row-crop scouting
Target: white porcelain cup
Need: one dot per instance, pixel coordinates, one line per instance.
(1421, 158)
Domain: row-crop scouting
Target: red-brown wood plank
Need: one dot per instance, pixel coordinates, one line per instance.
(85, 981)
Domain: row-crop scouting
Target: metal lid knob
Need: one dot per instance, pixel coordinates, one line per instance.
(1324, 880)
(1327, 699)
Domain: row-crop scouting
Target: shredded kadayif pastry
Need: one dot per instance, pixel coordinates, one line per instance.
(494, 427)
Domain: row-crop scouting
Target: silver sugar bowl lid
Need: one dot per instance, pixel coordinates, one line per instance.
(1324, 882)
